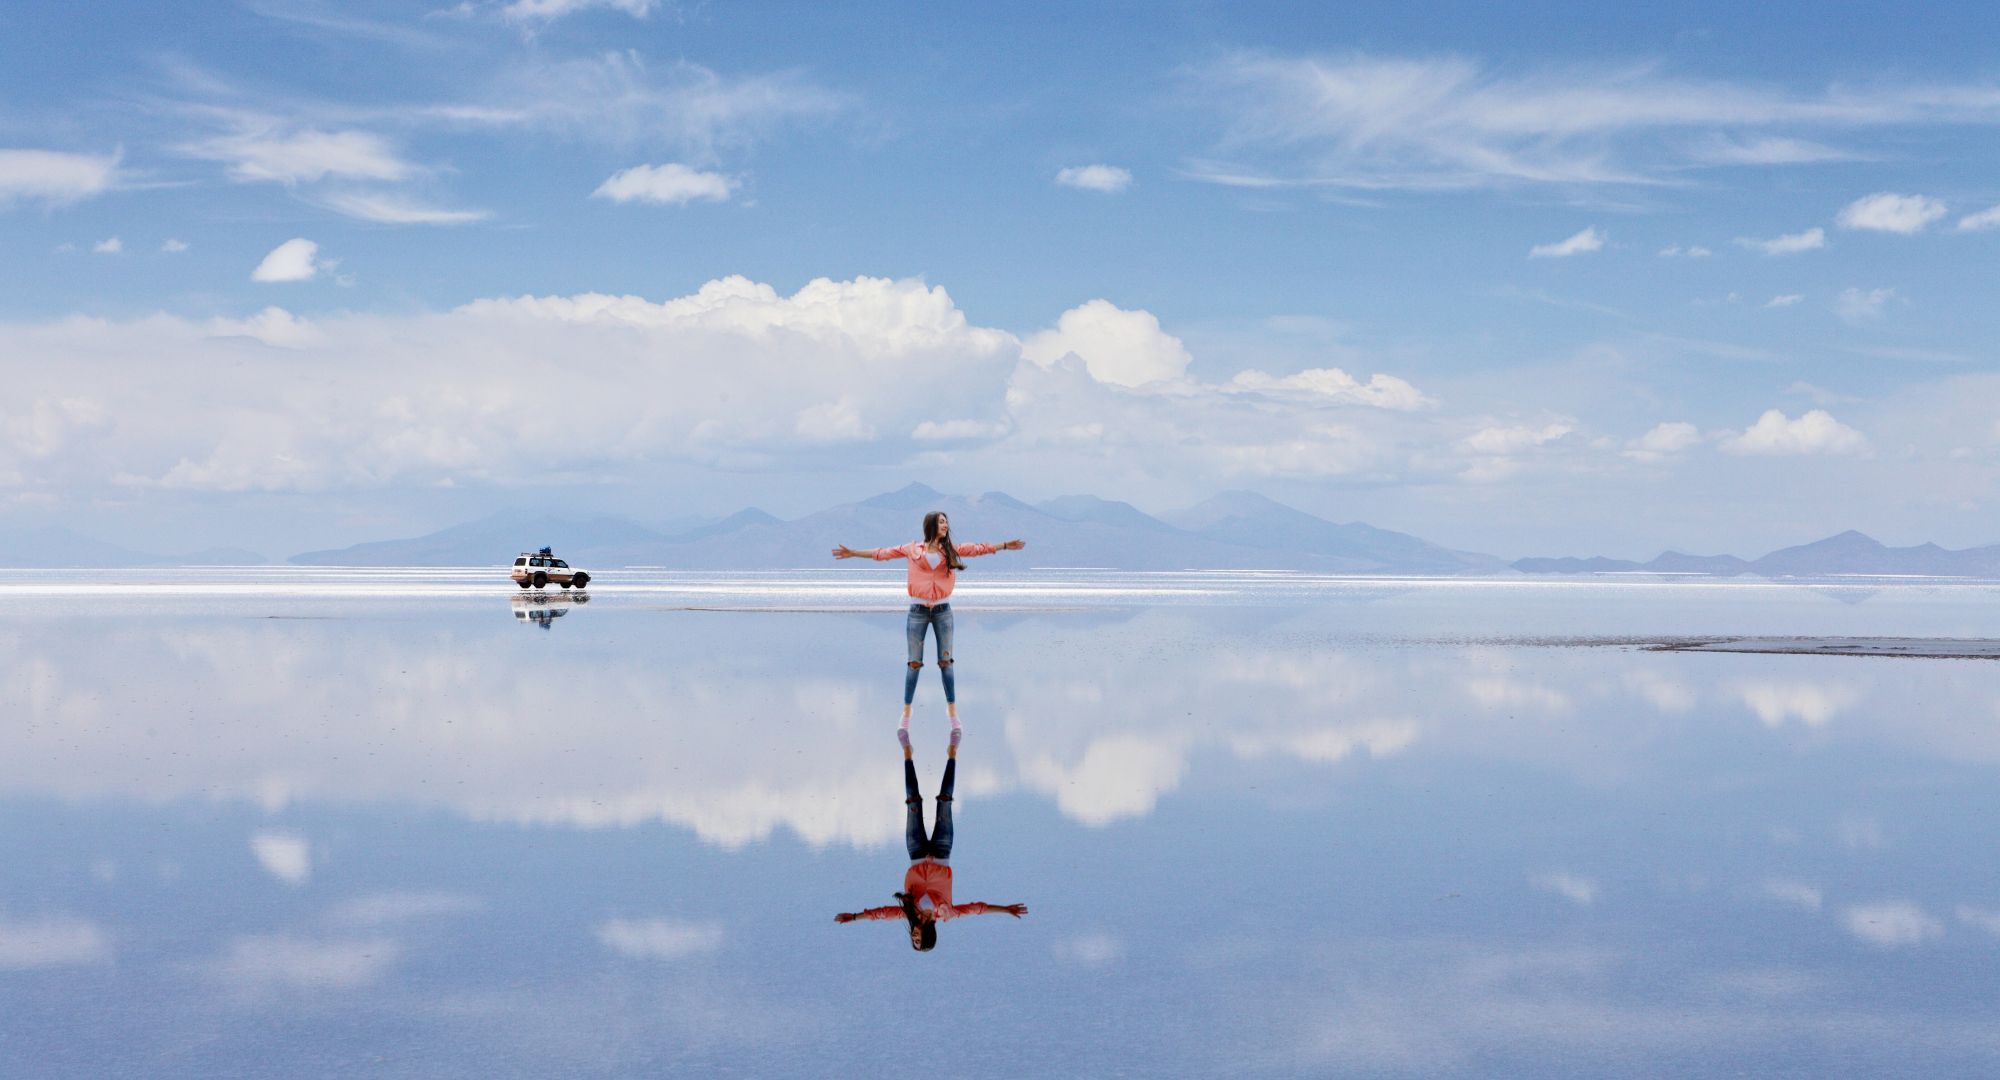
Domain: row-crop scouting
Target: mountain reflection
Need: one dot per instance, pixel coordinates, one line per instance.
(926, 900)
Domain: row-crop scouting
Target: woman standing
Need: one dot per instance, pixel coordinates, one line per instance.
(934, 567)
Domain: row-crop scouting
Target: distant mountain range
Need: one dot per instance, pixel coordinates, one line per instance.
(1847, 553)
(58, 548)
(1235, 530)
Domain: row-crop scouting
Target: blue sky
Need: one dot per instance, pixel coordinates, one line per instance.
(1529, 282)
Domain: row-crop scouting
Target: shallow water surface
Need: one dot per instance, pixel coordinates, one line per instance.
(417, 823)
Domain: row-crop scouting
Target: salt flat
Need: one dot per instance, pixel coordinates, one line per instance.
(287, 823)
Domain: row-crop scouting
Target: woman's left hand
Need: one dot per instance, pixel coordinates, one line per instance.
(1013, 545)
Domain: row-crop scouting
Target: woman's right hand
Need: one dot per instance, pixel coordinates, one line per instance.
(844, 917)
(842, 551)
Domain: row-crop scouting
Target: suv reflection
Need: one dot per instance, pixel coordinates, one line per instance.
(543, 609)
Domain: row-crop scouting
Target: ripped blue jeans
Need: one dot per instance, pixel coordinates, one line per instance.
(938, 620)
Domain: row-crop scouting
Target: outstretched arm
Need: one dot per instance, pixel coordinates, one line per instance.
(978, 908)
(893, 911)
(970, 550)
(842, 551)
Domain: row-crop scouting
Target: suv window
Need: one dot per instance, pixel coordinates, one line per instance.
(559, 562)
(523, 561)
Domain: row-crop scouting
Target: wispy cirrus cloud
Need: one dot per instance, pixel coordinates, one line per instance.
(623, 99)
(1441, 123)
(390, 208)
(269, 150)
(551, 10)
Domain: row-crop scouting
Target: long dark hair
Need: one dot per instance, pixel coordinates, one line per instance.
(931, 533)
(923, 931)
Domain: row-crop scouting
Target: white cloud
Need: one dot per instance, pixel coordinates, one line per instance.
(263, 963)
(1888, 212)
(1327, 744)
(1666, 695)
(1499, 693)
(837, 421)
(550, 10)
(1376, 122)
(1335, 385)
(1796, 893)
(1572, 887)
(1784, 300)
(390, 404)
(1789, 244)
(391, 209)
(273, 326)
(672, 183)
(1988, 218)
(1506, 439)
(1862, 305)
(659, 939)
(304, 156)
(173, 247)
(1664, 440)
(51, 941)
(1812, 704)
(54, 177)
(1815, 432)
(1116, 776)
(1109, 179)
(109, 246)
(1692, 251)
(285, 856)
(1124, 348)
(293, 260)
(1891, 923)
(1588, 240)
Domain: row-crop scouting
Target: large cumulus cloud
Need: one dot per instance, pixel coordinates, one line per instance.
(559, 389)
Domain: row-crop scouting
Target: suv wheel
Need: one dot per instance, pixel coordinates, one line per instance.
(541, 579)
(522, 583)
(582, 580)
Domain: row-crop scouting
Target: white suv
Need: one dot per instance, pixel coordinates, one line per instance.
(539, 568)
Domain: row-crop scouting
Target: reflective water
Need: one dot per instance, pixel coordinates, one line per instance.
(293, 823)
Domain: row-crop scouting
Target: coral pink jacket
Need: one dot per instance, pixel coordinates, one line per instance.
(931, 584)
(929, 879)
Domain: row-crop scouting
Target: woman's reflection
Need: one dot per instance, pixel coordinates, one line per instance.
(926, 897)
